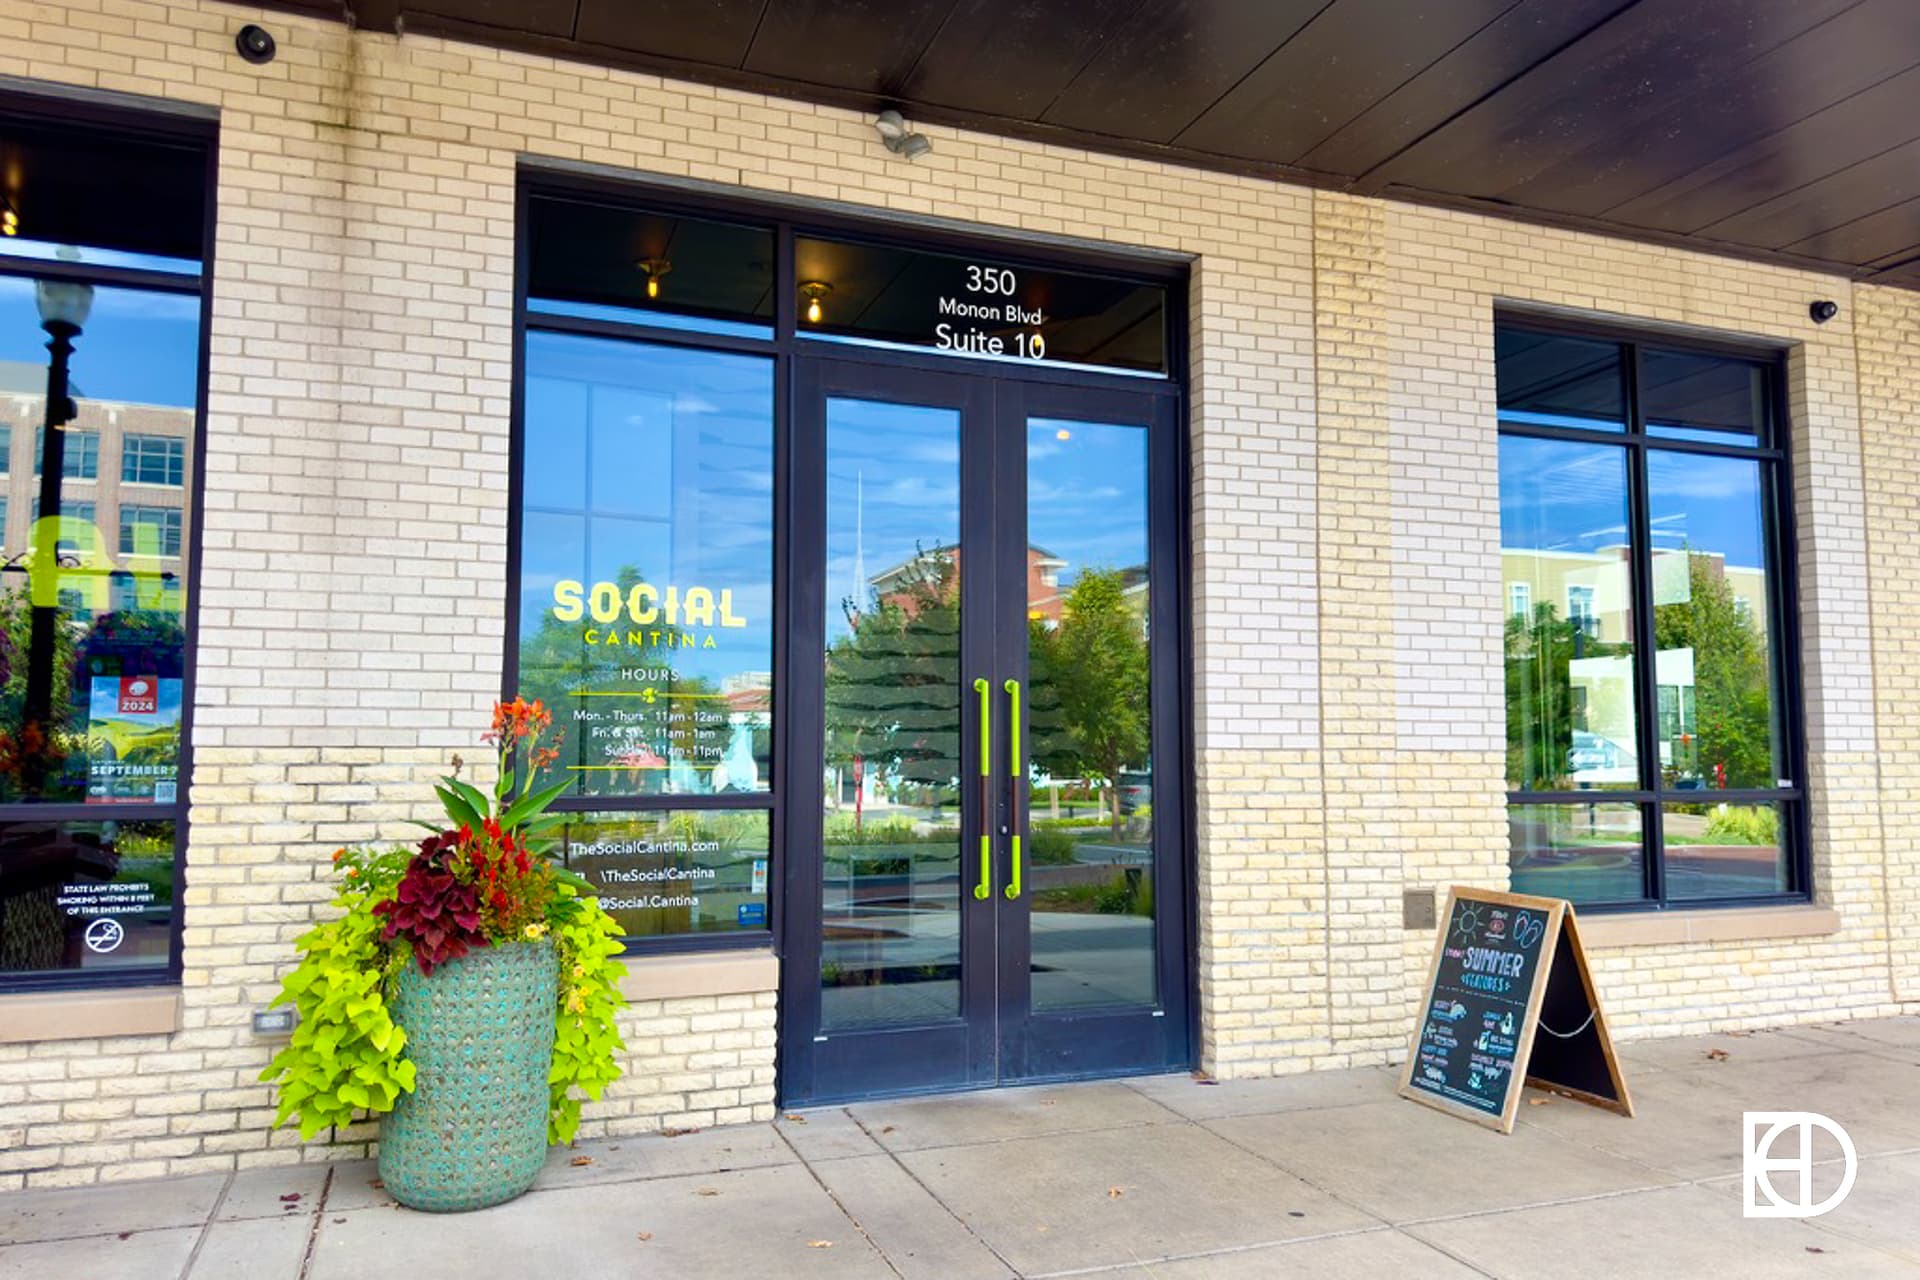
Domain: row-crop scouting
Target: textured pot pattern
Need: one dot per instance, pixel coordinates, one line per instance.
(480, 1033)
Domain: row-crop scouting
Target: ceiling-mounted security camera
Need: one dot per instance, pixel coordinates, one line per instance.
(256, 44)
(1823, 310)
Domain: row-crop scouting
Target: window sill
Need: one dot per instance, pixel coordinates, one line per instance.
(1730, 924)
(714, 973)
(87, 1015)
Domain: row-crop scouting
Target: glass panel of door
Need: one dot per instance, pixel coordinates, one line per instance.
(991, 888)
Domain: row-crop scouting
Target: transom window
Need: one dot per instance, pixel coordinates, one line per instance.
(1652, 731)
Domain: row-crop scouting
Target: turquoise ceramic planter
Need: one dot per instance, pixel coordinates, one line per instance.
(480, 1034)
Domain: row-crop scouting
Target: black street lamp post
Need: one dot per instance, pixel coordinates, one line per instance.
(64, 307)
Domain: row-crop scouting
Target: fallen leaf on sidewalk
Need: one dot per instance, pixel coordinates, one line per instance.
(819, 1244)
(292, 1197)
(580, 1162)
(677, 1133)
(1718, 1055)
(1814, 1248)
(707, 1191)
(126, 1235)
(646, 1235)
(1538, 1102)
(794, 1117)
(887, 1129)
(377, 1185)
(1114, 1193)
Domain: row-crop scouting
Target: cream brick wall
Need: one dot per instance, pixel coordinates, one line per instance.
(1345, 520)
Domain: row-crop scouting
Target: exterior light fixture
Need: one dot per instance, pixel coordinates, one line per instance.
(902, 141)
(813, 291)
(64, 306)
(255, 44)
(9, 218)
(653, 269)
(1823, 310)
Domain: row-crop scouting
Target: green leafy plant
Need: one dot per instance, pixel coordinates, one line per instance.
(586, 1038)
(346, 1055)
(1744, 824)
(1051, 846)
(484, 880)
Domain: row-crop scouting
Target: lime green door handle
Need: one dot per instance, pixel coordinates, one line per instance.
(984, 888)
(1016, 767)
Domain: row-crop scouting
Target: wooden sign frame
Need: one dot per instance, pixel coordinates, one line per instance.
(1558, 924)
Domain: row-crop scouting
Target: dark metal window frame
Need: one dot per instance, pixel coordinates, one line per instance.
(1773, 451)
(785, 345)
(87, 115)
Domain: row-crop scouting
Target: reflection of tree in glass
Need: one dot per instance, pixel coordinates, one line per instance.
(1540, 703)
(893, 681)
(1088, 679)
(1732, 686)
(34, 759)
(557, 664)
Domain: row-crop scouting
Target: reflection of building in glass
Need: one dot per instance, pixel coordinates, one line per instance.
(127, 473)
(1591, 590)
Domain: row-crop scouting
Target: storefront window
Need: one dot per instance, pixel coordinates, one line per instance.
(644, 607)
(1634, 531)
(94, 610)
(662, 873)
(646, 564)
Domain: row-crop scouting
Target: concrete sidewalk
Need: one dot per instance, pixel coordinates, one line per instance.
(1326, 1175)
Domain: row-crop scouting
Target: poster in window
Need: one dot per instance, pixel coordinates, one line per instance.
(133, 734)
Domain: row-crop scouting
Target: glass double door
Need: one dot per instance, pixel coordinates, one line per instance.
(986, 606)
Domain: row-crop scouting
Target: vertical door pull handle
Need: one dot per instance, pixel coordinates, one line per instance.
(1016, 768)
(984, 888)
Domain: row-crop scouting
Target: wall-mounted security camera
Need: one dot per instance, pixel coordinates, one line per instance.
(255, 44)
(1823, 310)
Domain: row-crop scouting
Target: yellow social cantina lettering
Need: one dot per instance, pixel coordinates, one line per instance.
(644, 604)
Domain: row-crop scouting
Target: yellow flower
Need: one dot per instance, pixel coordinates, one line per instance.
(579, 971)
(576, 1001)
(535, 932)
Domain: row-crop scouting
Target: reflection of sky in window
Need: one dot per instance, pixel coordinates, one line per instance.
(1560, 496)
(1087, 494)
(1706, 503)
(137, 347)
(655, 459)
(893, 492)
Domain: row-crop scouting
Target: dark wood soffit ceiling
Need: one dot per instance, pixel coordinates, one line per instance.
(1780, 130)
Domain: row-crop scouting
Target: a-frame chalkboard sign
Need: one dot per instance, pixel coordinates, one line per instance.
(1509, 999)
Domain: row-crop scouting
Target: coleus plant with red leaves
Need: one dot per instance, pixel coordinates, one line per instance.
(432, 908)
